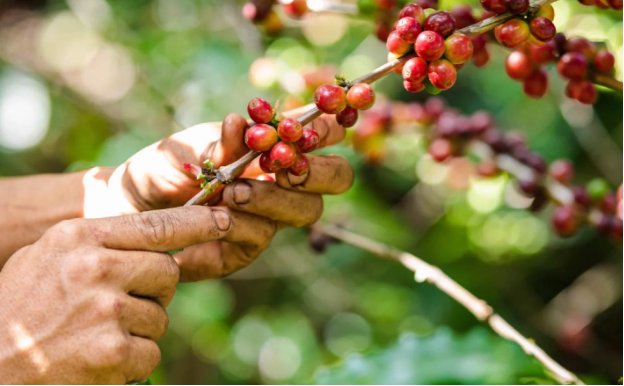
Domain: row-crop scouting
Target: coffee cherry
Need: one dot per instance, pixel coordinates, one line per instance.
(382, 31)
(408, 29)
(615, 4)
(562, 170)
(415, 70)
(543, 53)
(572, 65)
(309, 141)
(487, 168)
(616, 223)
(546, 11)
(582, 46)
(272, 23)
(361, 96)
(396, 45)
(283, 154)
(597, 189)
(429, 45)
(512, 33)
(385, 5)
(301, 165)
(518, 66)
(481, 58)
(296, 8)
(517, 7)
(260, 137)
(260, 111)
(441, 22)
(347, 117)
(413, 87)
(413, 10)
(480, 122)
(528, 187)
(440, 149)
(608, 203)
(330, 98)
(582, 90)
(581, 197)
(536, 84)
(463, 15)
(290, 130)
(266, 164)
(564, 221)
(442, 74)
(543, 29)
(458, 48)
(604, 61)
(495, 6)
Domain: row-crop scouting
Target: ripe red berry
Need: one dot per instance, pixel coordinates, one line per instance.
(543, 53)
(536, 84)
(283, 154)
(260, 137)
(518, 66)
(266, 164)
(309, 142)
(382, 31)
(562, 170)
(441, 22)
(361, 96)
(481, 57)
(615, 4)
(463, 15)
(330, 98)
(581, 197)
(396, 45)
(572, 65)
(432, 4)
(413, 10)
(260, 111)
(495, 6)
(385, 5)
(440, 149)
(543, 29)
(415, 70)
(582, 90)
(479, 42)
(408, 29)
(564, 221)
(582, 46)
(517, 7)
(301, 165)
(413, 87)
(347, 117)
(458, 48)
(480, 121)
(442, 74)
(296, 8)
(513, 33)
(604, 61)
(487, 168)
(430, 45)
(528, 187)
(290, 130)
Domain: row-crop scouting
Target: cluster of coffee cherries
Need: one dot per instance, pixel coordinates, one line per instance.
(283, 143)
(577, 60)
(261, 12)
(333, 99)
(384, 12)
(603, 4)
(431, 34)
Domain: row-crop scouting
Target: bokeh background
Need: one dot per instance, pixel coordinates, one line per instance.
(90, 82)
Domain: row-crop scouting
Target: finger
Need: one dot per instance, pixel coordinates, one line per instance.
(143, 317)
(267, 199)
(329, 131)
(232, 145)
(326, 175)
(143, 358)
(162, 230)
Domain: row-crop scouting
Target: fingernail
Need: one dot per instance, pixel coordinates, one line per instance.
(294, 180)
(242, 193)
(222, 219)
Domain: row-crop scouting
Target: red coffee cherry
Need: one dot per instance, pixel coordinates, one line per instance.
(296, 8)
(581, 197)
(396, 45)
(542, 53)
(582, 46)
(480, 121)
(543, 29)
(528, 187)
(604, 61)
(309, 142)
(385, 5)
(290, 130)
(442, 74)
(260, 111)
(495, 6)
(562, 170)
(512, 33)
(413, 10)
(429, 45)
(433, 4)
(330, 98)
(266, 164)
(441, 22)
(518, 66)
(572, 65)
(440, 149)
(615, 4)
(301, 165)
(481, 58)
(260, 137)
(582, 90)
(517, 7)
(487, 168)
(536, 84)
(458, 48)
(347, 117)
(382, 31)
(361, 96)
(283, 154)
(564, 221)
(415, 70)
(463, 15)
(413, 87)
(408, 29)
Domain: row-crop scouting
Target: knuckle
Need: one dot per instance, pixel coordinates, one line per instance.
(162, 323)
(155, 227)
(91, 267)
(109, 306)
(68, 230)
(113, 351)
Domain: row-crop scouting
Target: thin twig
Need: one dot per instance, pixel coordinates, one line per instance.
(607, 81)
(434, 275)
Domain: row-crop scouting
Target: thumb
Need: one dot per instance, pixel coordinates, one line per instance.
(232, 144)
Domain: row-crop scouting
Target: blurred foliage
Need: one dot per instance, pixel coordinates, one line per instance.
(90, 82)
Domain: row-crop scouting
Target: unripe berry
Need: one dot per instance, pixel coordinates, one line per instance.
(458, 48)
(597, 189)
(582, 46)
(495, 6)
(429, 45)
(562, 170)
(408, 29)
(463, 15)
(572, 65)
(296, 8)
(260, 111)
(347, 117)
(413, 10)
(546, 11)
(543, 29)
(330, 98)
(415, 70)
(266, 164)
(283, 154)
(442, 74)
(290, 130)
(517, 7)
(440, 149)
(543, 53)
(518, 66)
(413, 87)
(564, 221)
(441, 22)
(272, 23)
(309, 142)
(604, 61)
(582, 90)
(513, 33)
(301, 165)
(260, 137)
(396, 45)
(361, 96)
(536, 84)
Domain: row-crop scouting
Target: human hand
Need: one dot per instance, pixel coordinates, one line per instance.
(86, 302)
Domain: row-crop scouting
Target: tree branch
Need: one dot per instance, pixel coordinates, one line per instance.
(434, 275)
